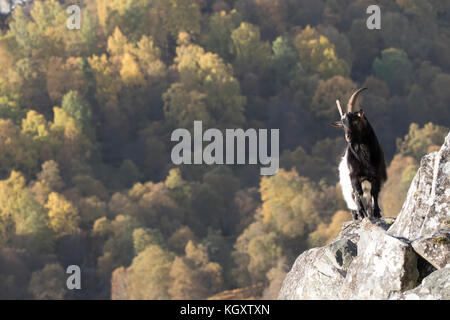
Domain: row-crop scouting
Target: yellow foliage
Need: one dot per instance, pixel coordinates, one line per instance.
(327, 232)
(290, 203)
(35, 124)
(63, 216)
(118, 43)
(400, 172)
(319, 55)
(130, 73)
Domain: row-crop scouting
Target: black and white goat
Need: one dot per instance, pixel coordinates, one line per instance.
(362, 162)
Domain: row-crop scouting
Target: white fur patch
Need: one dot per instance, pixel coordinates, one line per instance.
(347, 188)
(346, 183)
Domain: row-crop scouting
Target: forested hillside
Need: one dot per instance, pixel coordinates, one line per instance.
(86, 116)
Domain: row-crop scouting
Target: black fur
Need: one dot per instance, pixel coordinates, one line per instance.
(365, 160)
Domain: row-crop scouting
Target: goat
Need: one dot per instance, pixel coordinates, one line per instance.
(363, 161)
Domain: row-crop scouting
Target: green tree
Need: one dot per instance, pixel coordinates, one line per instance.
(394, 68)
(78, 109)
(283, 61)
(251, 54)
(218, 39)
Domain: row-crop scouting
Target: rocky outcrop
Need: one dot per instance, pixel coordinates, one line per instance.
(427, 205)
(384, 264)
(383, 259)
(434, 287)
(434, 249)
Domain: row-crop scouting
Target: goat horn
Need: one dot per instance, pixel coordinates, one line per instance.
(340, 108)
(352, 100)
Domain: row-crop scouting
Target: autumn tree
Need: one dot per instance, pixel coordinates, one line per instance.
(25, 217)
(318, 55)
(16, 154)
(289, 203)
(48, 180)
(48, 283)
(194, 276)
(148, 277)
(401, 172)
(256, 251)
(206, 90)
(41, 33)
(251, 53)
(420, 141)
(142, 238)
(63, 215)
(324, 100)
(327, 232)
(64, 76)
(118, 248)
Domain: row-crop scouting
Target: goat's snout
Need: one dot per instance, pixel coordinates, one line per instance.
(348, 136)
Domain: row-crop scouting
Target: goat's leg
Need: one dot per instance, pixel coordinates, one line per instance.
(357, 194)
(375, 191)
(354, 215)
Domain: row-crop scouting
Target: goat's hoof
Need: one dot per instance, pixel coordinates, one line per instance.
(377, 214)
(362, 214)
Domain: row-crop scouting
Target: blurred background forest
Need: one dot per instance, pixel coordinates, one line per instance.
(86, 117)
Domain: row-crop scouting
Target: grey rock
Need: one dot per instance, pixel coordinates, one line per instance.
(384, 264)
(311, 278)
(320, 272)
(434, 287)
(434, 249)
(427, 204)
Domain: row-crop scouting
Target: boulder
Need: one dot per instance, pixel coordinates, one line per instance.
(319, 273)
(384, 264)
(434, 287)
(435, 249)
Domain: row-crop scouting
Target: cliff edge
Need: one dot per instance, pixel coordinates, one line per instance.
(402, 258)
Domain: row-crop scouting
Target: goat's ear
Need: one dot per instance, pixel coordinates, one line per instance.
(337, 124)
(361, 113)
